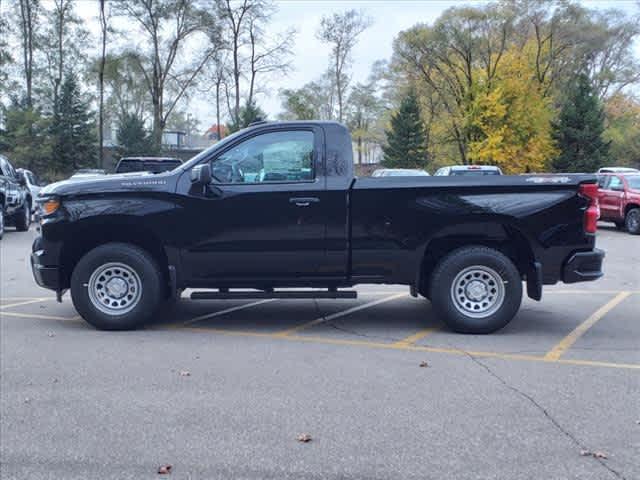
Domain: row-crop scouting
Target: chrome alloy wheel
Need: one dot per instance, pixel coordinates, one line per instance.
(114, 288)
(478, 291)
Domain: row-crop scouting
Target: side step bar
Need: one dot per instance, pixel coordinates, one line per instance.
(285, 294)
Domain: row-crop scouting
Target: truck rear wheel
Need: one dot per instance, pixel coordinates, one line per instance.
(116, 286)
(476, 290)
(632, 221)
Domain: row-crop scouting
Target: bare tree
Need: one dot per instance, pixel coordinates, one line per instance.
(101, 65)
(28, 15)
(237, 19)
(268, 55)
(158, 63)
(341, 31)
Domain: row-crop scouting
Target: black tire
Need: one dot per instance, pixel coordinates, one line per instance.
(22, 218)
(1, 221)
(148, 291)
(632, 221)
(456, 274)
(620, 225)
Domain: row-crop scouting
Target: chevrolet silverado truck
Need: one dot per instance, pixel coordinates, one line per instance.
(274, 211)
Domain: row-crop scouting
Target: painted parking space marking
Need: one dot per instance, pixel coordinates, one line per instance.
(208, 316)
(412, 339)
(413, 348)
(561, 347)
(25, 302)
(409, 343)
(342, 313)
(40, 317)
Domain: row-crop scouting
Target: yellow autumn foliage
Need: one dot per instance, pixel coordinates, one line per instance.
(510, 118)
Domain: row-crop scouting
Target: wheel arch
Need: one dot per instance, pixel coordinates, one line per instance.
(630, 206)
(504, 237)
(121, 230)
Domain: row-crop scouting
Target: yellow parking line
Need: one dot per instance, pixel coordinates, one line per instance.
(333, 316)
(27, 302)
(412, 339)
(226, 310)
(40, 317)
(408, 347)
(561, 347)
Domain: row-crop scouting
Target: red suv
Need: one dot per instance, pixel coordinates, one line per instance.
(619, 197)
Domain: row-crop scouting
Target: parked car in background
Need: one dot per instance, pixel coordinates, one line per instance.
(32, 183)
(399, 172)
(618, 170)
(87, 173)
(468, 170)
(619, 198)
(15, 198)
(147, 164)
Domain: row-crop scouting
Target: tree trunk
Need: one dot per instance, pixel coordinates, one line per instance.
(27, 47)
(103, 24)
(359, 149)
(218, 110)
(157, 124)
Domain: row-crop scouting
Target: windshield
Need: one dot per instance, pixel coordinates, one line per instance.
(153, 166)
(475, 172)
(634, 182)
(206, 153)
(406, 173)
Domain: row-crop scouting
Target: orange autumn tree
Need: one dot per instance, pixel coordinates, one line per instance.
(510, 118)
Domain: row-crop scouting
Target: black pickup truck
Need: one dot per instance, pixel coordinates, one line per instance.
(15, 198)
(276, 207)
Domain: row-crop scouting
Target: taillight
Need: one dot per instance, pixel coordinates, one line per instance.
(592, 213)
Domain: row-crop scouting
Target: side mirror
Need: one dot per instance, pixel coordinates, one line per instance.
(201, 174)
(22, 179)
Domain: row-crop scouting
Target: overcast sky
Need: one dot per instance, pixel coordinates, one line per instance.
(311, 57)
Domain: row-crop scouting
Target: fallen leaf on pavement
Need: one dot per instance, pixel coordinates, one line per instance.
(424, 364)
(164, 469)
(185, 373)
(588, 453)
(27, 400)
(51, 334)
(304, 438)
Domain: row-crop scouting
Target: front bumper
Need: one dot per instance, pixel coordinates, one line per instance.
(583, 266)
(45, 275)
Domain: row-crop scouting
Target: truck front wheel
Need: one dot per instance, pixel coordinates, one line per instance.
(22, 218)
(476, 290)
(116, 286)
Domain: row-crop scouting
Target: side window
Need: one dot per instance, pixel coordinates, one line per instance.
(602, 181)
(4, 167)
(616, 184)
(10, 170)
(285, 156)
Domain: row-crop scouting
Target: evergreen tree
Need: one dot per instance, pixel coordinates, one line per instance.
(73, 130)
(406, 139)
(25, 137)
(133, 138)
(579, 130)
(250, 112)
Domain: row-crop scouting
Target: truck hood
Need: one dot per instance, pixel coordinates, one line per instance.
(122, 182)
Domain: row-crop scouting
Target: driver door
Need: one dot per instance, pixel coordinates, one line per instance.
(262, 219)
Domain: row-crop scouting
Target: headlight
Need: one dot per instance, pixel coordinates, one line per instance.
(49, 206)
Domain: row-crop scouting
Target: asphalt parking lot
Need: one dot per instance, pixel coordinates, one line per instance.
(223, 389)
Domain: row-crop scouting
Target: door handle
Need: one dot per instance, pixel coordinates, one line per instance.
(304, 201)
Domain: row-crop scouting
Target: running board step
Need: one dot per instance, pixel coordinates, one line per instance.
(285, 294)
